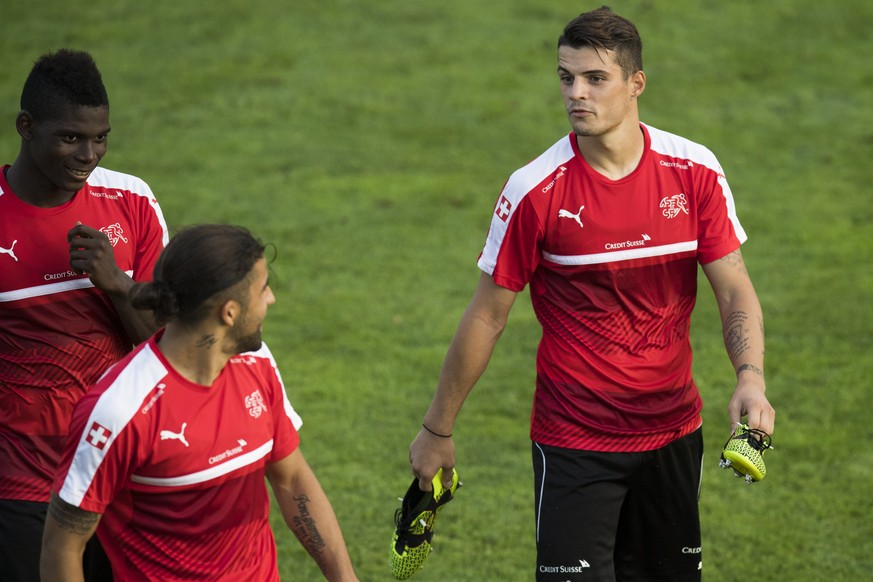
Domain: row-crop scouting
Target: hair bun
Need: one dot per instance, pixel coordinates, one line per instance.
(157, 296)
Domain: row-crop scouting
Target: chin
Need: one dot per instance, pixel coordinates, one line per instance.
(251, 343)
(586, 131)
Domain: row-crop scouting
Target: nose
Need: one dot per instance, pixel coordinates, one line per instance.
(271, 299)
(579, 89)
(90, 151)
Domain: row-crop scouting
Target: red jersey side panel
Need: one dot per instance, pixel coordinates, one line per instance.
(177, 469)
(59, 333)
(612, 269)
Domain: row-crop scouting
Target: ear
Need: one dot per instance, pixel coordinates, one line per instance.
(229, 312)
(637, 84)
(24, 124)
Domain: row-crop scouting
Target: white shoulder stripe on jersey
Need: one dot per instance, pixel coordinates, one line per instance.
(211, 473)
(679, 147)
(105, 178)
(675, 146)
(113, 411)
(264, 351)
(519, 185)
(523, 180)
(624, 255)
(50, 289)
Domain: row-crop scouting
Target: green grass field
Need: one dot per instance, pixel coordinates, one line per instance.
(369, 140)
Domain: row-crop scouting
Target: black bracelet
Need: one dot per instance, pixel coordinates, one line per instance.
(442, 436)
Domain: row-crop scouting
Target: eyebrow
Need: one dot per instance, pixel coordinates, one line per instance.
(77, 133)
(591, 72)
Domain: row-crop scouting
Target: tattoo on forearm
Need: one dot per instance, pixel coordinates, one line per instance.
(735, 259)
(306, 530)
(736, 336)
(70, 517)
(751, 368)
(206, 341)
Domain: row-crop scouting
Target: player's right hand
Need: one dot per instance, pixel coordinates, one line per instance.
(91, 253)
(428, 454)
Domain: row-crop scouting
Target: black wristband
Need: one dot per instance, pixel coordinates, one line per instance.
(442, 436)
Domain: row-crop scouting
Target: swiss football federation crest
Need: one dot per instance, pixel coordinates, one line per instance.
(114, 233)
(97, 436)
(255, 404)
(673, 205)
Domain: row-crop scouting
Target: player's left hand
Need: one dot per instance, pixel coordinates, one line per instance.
(749, 400)
(91, 253)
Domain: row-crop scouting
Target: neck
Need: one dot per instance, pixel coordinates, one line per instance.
(30, 186)
(615, 154)
(195, 353)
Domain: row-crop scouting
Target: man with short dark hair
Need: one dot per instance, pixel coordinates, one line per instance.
(73, 239)
(608, 227)
(168, 452)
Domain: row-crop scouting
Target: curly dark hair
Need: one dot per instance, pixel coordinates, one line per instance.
(60, 79)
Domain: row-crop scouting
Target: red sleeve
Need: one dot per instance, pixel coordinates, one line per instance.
(719, 231)
(152, 237)
(90, 476)
(286, 439)
(516, 247)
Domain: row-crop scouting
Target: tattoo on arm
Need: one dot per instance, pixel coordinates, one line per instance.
(735, 259)
(306, 530)
(206, 341)
(751, 368)
(736, 336)
(70, 517)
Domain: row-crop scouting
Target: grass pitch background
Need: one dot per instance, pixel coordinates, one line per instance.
(369, 140)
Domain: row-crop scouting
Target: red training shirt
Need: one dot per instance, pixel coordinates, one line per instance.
(177, 469)
(612, 269)
(58, 333)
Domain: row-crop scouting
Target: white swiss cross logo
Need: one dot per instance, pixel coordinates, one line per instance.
(255, 404)
(504, 207)
(98, 436)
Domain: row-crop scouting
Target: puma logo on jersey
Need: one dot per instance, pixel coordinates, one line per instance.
(9, 251)
(567, 214)
(179, 436)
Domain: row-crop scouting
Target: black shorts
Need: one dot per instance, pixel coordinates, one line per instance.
(21, 525)
(618, 516)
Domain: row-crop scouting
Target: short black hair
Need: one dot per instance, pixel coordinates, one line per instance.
(62, 79)
(604, 30)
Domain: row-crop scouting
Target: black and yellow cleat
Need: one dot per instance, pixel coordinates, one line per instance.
(743, 452)
(414, 521)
